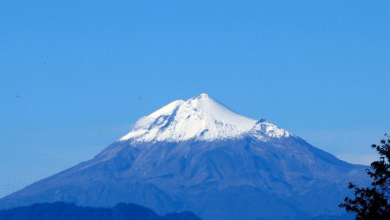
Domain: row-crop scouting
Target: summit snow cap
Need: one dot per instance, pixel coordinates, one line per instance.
(199, 118)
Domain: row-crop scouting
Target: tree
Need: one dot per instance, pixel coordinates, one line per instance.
(373, 203)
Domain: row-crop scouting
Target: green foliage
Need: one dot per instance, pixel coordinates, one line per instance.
(373, 203)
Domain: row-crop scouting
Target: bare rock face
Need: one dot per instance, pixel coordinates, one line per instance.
(202, 157)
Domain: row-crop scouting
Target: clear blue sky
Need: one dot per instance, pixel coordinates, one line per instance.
(319, 69)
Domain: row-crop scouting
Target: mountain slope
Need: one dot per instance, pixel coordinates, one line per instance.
(202, 157)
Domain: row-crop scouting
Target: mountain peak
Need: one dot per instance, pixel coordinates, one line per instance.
(203, 95)
(201, 118)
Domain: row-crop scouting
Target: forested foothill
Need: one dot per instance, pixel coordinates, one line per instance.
(70, 211)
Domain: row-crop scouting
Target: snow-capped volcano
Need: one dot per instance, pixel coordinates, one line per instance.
(199, 118)
(200, 156)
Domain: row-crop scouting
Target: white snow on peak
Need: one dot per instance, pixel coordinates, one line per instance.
(199, 118)
(264, 129)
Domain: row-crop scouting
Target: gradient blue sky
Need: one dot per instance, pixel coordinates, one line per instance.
(319, 69)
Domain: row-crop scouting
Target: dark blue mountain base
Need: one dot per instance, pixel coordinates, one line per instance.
(69, 211)
(229, 180)
(346, 216)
